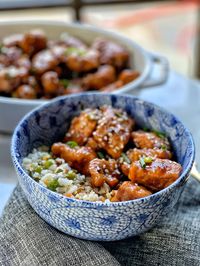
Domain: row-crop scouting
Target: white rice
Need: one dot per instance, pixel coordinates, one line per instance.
(55, 175)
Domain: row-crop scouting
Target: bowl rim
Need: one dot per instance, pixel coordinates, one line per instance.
(83, 26)
(181, 178)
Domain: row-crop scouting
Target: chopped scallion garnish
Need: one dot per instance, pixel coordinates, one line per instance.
(159, 134)
(72, 144)
(64, 82)
(125, 158)
(100, 155)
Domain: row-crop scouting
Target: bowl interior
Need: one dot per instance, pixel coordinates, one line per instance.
(48, 123)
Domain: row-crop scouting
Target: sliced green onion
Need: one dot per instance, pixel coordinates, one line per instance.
(159, 134)
(118, 114)
(125, 158)
(148, 160)
(1, 46)
(38, 169)
(100, 155)
(52, 185)
(164, 147)
(145, 129)
(59, 170)
(64, 82)
(72, 144)
(48, 163)
(71, 175)
(142, 162)
(74, 50)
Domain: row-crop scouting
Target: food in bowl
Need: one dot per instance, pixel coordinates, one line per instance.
(105, 156)
(35, 67)
(99, 221)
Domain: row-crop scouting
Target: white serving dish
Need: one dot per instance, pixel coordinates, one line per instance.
(12, 110)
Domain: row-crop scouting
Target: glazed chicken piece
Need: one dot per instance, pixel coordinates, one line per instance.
(113, 131)
(12, 40)
(78, 157)
(102, 171)
(50, 82)
(113, 86)
(24, 92)
(155, 175)
(32, 82)
(24, 62)
(135, 154)
(44, 61)
(128, 75)
(10, 78)
(101, 78)
(71, 41)
(82, 126)
(59, 51)
(80, 60)
(33, 41)
(149, 140)
(111, 53)
(92, 144)
(130, 191)
(10, 55)
(30, 42)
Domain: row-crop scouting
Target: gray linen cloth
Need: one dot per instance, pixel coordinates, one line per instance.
(25, 239)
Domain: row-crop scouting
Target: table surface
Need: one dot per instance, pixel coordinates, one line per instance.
(178, 95)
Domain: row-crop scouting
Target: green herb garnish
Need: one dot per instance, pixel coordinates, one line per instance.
(48, 163)
(144, 161)
(159, 134)
(38, 169)
(164, 147)
(118, 114)
(148, 160)
(72, 144)
(74, 50)
(145, 129)
(52, 185)
(58, 170)
(71, 175)
(125, 158)
(64, 82)
(100, 155)
(1, 46)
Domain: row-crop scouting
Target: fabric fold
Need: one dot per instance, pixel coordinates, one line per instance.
(25, 239)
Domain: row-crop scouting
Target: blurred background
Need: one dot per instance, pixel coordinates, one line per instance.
(168, 27)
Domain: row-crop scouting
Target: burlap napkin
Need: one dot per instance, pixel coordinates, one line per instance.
(25, 239)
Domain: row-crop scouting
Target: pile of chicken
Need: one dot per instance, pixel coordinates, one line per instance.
(33, 67)
(104, 144)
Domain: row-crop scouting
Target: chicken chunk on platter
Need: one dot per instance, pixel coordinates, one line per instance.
(77, 157)
(154, 174)
(150, 140)
(82, 126)
(111, 53)
(102, 171)
(135, 154)
(33, 42)
(101, 78)
(44, 61)
(11, 77)
(130, 191)
(113, 131)
(81, 60)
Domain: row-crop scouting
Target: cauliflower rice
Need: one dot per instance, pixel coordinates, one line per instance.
(58, 176)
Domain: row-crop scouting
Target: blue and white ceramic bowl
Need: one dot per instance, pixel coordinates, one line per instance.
(91, 220)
